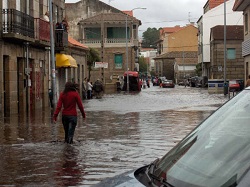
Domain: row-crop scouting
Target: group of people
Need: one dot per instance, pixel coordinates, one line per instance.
(89, 90)
(144, 83)
(59, 25)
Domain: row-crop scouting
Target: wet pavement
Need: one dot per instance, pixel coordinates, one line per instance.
(122, 132)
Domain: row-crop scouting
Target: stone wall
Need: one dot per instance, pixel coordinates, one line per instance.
(84, 9)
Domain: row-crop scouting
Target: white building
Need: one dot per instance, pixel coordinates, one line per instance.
(213, 18)
(149, 54)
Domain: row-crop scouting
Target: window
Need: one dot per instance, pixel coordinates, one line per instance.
(92, 33)
(118, 61)
(246, 23)
(231, 54)
(117, 32)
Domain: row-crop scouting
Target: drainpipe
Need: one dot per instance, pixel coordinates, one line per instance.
(52, 52)
(27, 73)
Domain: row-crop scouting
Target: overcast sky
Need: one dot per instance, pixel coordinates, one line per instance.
(160, 13)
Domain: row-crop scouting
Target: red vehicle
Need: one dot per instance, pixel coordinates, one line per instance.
(134, 81)
(167, 84)
(234, 86)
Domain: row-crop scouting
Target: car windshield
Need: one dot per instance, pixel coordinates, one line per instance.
(215, 153)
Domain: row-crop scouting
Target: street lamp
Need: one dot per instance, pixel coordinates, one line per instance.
(127, 45)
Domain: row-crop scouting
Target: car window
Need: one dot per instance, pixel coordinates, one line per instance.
(216, 153)
(232, 82)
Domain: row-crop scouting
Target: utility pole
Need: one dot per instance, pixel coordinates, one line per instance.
(52, 51)
(225, 50)
(102, 47)
(127, 52)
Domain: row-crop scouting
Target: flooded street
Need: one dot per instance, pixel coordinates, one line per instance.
(121, 132)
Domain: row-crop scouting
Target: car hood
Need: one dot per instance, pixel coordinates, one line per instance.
(123, 180)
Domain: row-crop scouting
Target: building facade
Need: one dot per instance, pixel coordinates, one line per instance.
(235, 61)
(213, 16)
(176, 65)
(179, 45)
(25, 71)
(103, 28)
(244, 6)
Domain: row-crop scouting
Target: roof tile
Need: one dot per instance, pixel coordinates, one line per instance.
(76, 43)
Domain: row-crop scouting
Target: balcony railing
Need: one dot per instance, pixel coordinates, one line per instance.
(61, 39)
(17, 22)
(42, 30)
(106, 40)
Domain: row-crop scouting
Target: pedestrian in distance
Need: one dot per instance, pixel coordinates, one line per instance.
(144, 84)
(248, 81)
(68, 100)
(89, 91)
(84, 88)
(51, 98)
(98, 88)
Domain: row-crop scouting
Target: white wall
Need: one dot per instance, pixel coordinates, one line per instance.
(215, 17)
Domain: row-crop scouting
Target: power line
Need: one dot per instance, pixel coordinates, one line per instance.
(168, 21)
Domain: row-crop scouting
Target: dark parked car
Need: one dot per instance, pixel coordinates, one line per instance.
(168, 84)
(192, 81)
(200, 80)
(215, 154)
(197, 81)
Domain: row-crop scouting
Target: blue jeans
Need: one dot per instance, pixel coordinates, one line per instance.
(69, 125)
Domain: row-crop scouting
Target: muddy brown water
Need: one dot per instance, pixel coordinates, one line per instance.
(121, 132)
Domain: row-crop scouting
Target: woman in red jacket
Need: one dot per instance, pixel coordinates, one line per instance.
(68, 99)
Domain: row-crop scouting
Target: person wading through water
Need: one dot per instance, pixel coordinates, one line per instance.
(98, 88)
(68, 100)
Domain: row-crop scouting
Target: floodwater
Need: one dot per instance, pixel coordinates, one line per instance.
(121, 132)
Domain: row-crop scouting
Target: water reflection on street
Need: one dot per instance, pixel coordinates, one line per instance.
(122, 132)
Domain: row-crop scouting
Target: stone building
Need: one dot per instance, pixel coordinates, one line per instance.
(176, 65)
(102, 27)
(243, 6)
(25, 42)
(235, 61)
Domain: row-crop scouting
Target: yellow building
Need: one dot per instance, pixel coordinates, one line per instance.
(175, 46)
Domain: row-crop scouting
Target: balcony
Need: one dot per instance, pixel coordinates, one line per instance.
(108, 42)
(42, 31)
(61, 40)
(17, 25)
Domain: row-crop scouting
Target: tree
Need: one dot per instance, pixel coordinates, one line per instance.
(150, 36)
(142, 65)
(92, 57)
(198, 69)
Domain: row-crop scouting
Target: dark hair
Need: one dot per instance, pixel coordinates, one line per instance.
(69, 86)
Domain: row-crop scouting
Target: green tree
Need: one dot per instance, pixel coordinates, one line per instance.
(198, 69)
(142, 65)
(150, 36)
(92, 57)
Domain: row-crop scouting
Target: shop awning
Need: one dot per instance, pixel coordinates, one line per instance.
(65, 61)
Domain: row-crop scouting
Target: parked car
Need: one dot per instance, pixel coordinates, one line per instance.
(215, 153)
(200, 80)
(196, 81)
(168, 84)
(234, 86)
(193, 81)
